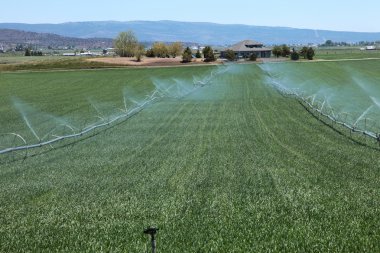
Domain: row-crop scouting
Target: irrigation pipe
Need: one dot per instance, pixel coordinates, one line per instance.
(85, 131)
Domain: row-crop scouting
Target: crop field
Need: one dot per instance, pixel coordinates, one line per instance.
(228, 166)
(14, 63)
(345, 53)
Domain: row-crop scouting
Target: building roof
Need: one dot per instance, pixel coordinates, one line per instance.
(248, 46)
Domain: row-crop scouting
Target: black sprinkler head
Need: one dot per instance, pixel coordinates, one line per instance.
(151, 230)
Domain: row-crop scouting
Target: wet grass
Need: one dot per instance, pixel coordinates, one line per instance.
(234, 167)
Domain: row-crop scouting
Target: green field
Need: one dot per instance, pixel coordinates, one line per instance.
(9, 62)
(345, 53)
(232, 167)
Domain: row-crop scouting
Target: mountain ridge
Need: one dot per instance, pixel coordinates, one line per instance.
(9, 38)
(199, 32)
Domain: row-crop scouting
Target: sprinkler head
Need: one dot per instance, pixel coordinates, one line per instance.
(151, 231)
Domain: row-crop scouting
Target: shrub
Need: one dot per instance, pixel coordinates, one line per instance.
(198, 54)
(139, 52)
(160, 50)
(149, 53)
(310, 53)
(285, 52)
(208, 54)
(175, 49)
(277, 51)
(187, 55)
(303, 52)
(253, 57)
(230, 55)
(295, 56)
(27, 52)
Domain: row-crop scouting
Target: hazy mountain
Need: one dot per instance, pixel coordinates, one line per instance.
(207, 33)
(11, 37)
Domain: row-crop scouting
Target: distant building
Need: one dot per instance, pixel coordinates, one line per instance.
(370, 47)
(246, 48)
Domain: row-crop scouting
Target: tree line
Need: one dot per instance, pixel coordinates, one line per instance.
(306, 52)
(330, 43)
(30, 52)
(127, 45)
(285, 51)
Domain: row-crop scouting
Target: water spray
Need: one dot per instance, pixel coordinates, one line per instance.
(160, 92)
(362, 115)
(318, 107)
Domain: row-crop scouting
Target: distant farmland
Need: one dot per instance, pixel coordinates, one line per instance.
(233, 166)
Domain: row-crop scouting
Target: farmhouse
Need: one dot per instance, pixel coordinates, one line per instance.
(246, 48)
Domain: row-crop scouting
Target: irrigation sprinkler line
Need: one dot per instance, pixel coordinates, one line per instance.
(352, 129)
(74, 135)
(70, 136)
(90, 128)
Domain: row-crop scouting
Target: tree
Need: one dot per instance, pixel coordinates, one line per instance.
(139, 52)
(310, 53)
(187, 55)
(19, 47)
(329, 43)
(208, 54)
(36, 53)
(285, 52)
(230, 55)
(303, 52)
(160, 49)
(277, 51)
(253, 57)
(198, 54)
(175, 49)
(125, 44)
(149, 53)
(295, 56)
(28, 52)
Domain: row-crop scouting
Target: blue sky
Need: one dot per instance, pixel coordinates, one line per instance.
(339, 15)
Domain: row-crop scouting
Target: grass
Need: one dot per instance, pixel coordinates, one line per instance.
(19, 59)
(48, 63)
(345, 53)
(234, 167)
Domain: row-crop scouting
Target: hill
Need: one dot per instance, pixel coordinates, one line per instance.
(11, 37)
(201, 32)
